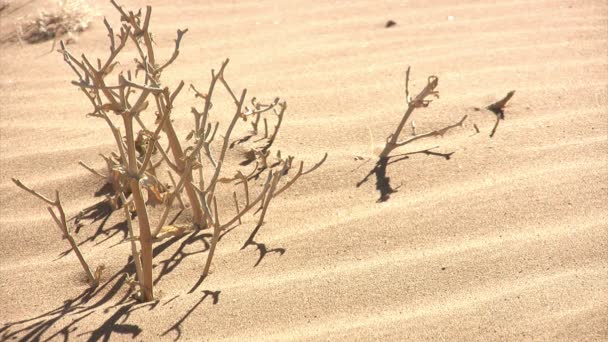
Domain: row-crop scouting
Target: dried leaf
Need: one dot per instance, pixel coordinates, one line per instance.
(110, 107)
(156, 191)
(154, 196)
(142, 141)
(174, 230)
(190, 135)
(98, 272)
(114, 204)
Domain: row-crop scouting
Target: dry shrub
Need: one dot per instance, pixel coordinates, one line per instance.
(71, 16)
(203, 173)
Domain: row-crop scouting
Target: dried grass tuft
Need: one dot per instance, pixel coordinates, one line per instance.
(4, 5)
(71, 16)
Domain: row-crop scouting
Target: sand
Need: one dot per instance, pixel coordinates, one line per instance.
(506, 240)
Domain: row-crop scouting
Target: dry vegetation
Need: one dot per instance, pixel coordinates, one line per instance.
(392, 142)
(125, 100)
(4, 5)
(422, 100)
(68, 18)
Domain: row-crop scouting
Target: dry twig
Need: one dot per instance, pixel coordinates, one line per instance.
(392, 142)
(63, 228)
(498, 109)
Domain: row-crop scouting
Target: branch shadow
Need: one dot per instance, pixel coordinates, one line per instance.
(80, 307)
(180, 253)
(117, 323)
(383, 182)
(261, 247)
(101, 211)
(215, 295)
(106, 189)
(111, 292)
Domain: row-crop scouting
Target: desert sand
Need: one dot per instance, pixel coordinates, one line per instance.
(506, 240)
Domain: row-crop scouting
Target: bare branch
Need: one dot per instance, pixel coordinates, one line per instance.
(33, 192)
(236, 204)
(498, 109)
(179, 195)
(419, 101)
(299, 174)
(62, 225)
(134, 251)
(152, 144)
(499, 106)
(216, 234)
(252, 204)
(439, 132)
(213, 180)
(180, 34)
(81, 163)
(317, 165)
(495, 126)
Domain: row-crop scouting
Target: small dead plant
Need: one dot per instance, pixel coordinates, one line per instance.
(422, 100)
(199, 161)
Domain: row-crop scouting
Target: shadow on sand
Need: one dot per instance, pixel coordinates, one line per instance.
(383, 182)
(112, 295)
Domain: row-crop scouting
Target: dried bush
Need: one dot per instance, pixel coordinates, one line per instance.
(122, 99)
(70, 17)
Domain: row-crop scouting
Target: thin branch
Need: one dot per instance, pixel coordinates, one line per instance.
(213, 180)
(151, 144)
(439, 132)
(236, 204)
(498, 109)
(33, 192)
(216, 234)
(269, 195)
(299, 174)
(495, 126)
(180, 34)
(169, 202)
(252, 204)
(159, 147)
(418, 102)
(179, 195)
(62, 225)
(134, 251)
(81, 163)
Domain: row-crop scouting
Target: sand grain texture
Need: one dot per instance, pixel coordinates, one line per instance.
(507, 240)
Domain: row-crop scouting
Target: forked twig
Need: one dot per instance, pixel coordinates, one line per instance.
(498, 109)
(392, 142)
(62, 225)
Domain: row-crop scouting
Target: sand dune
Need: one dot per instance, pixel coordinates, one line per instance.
(506, 240)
